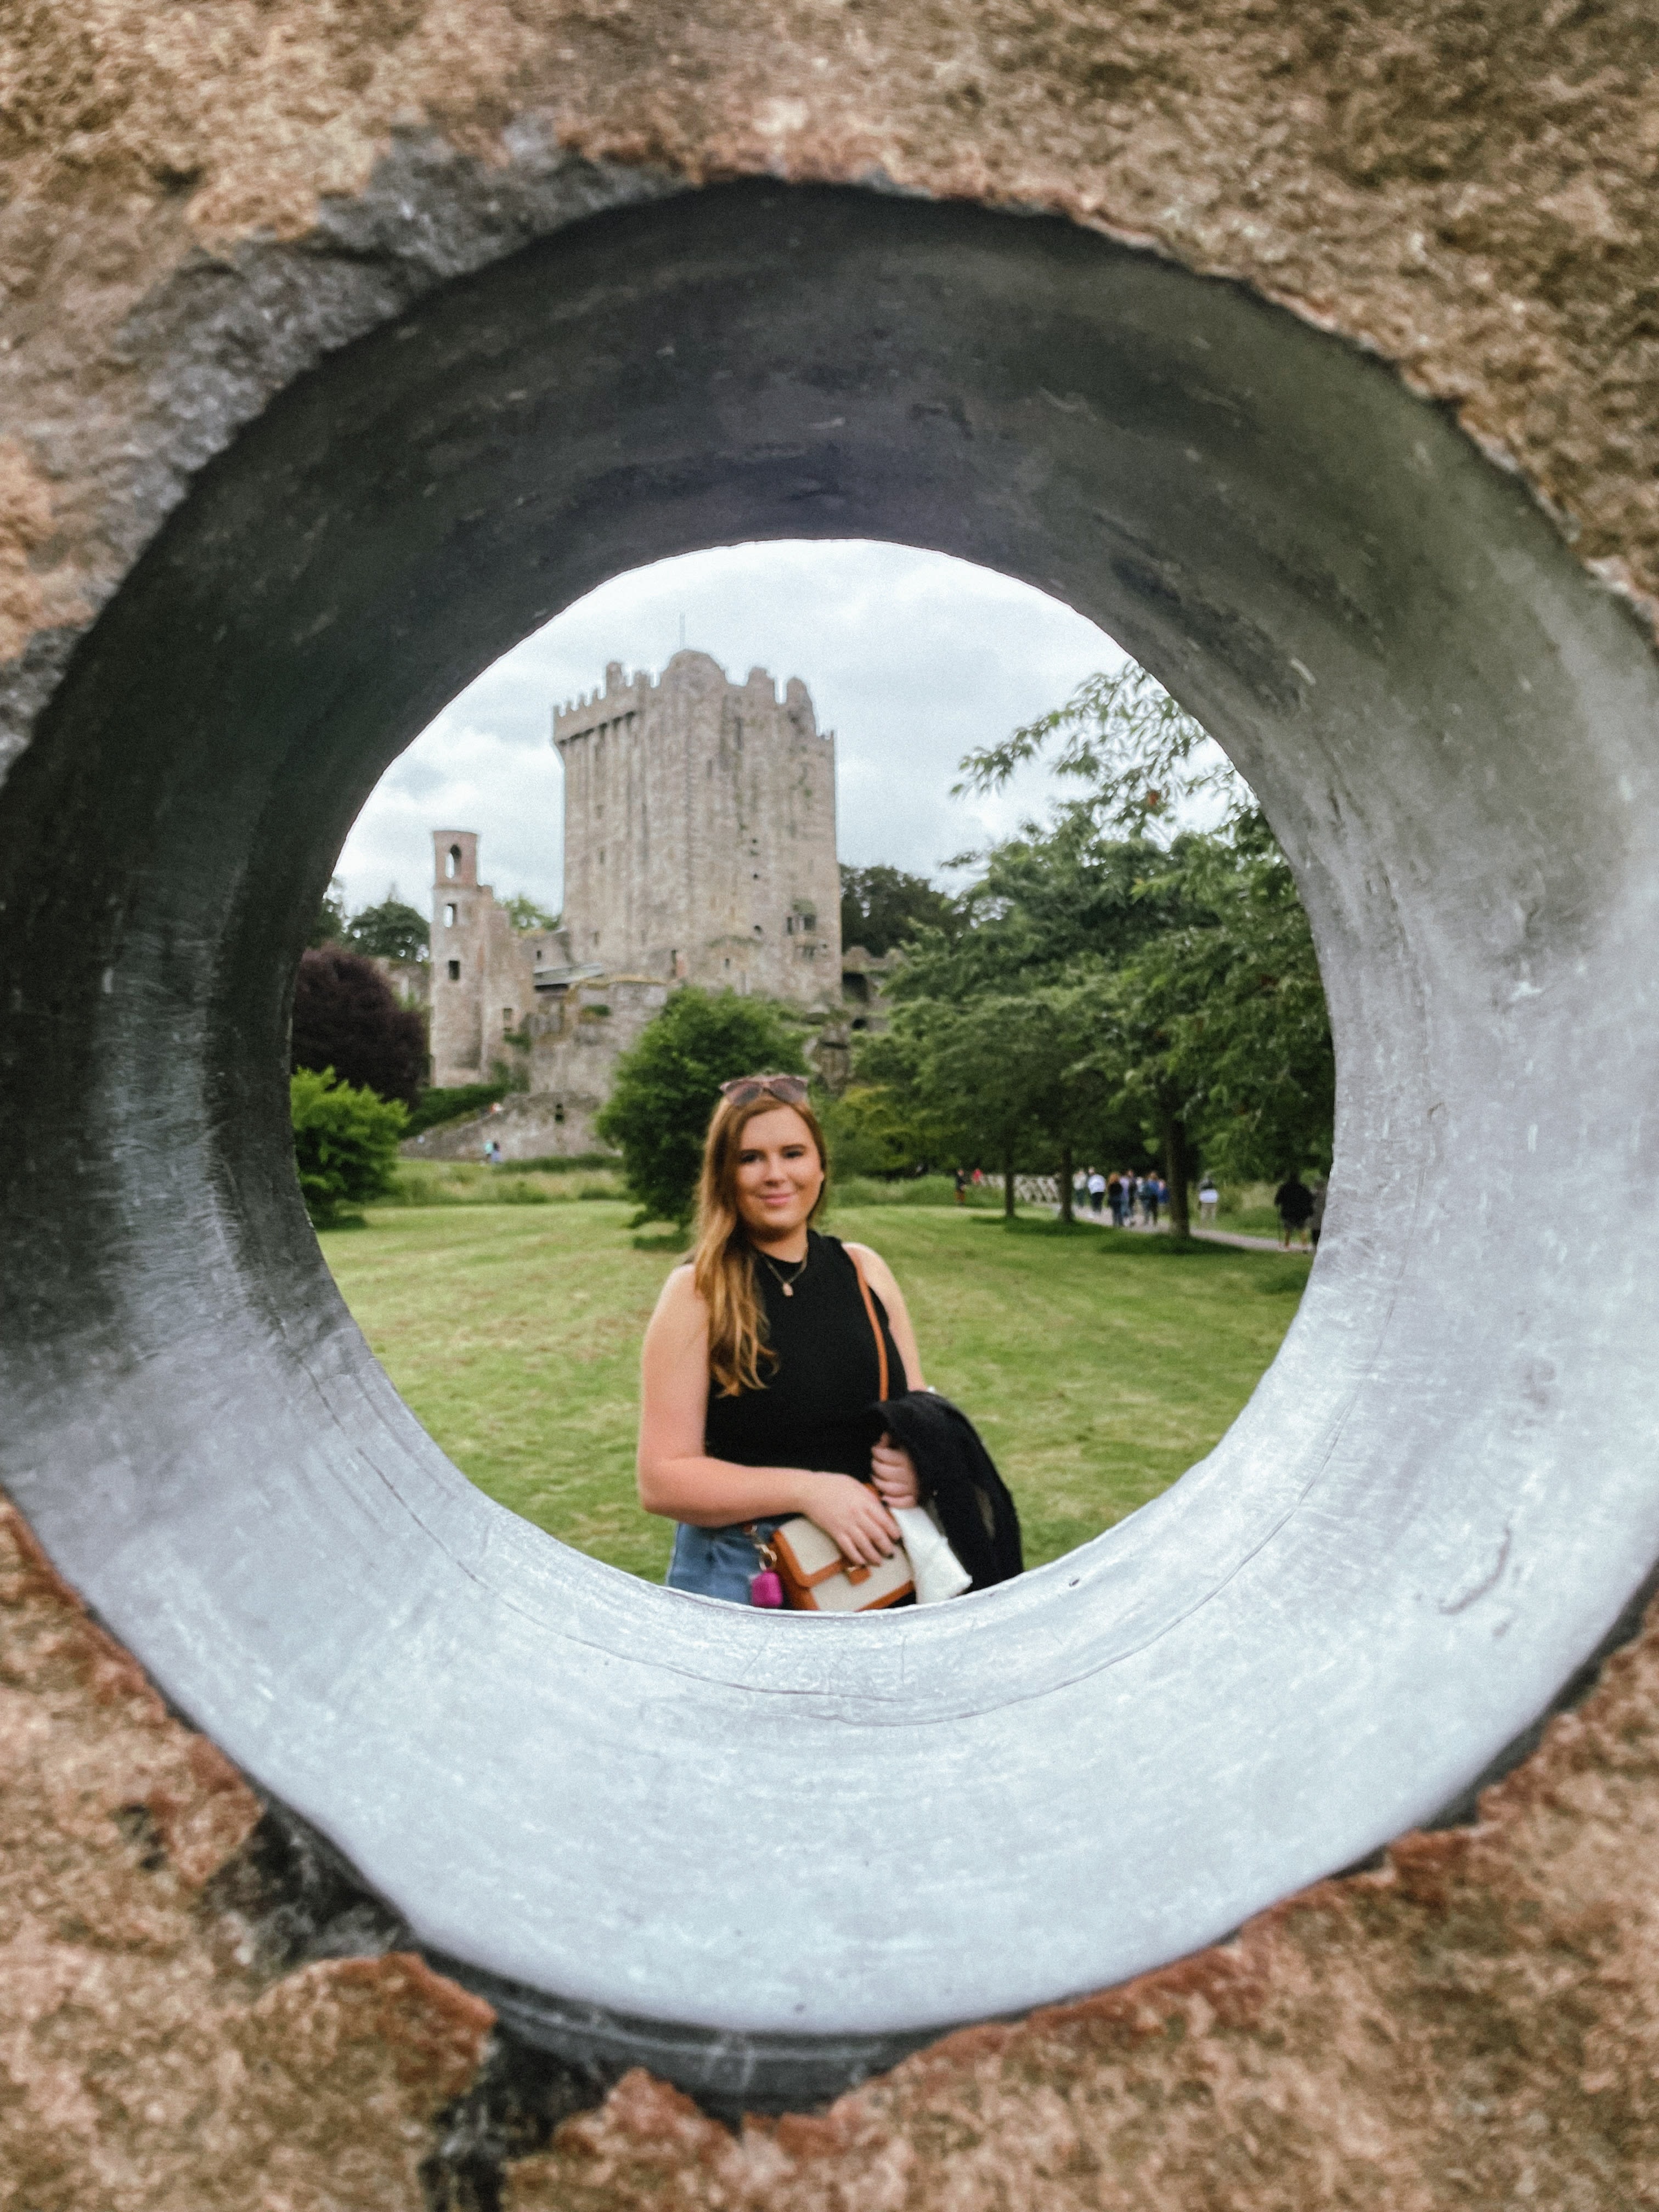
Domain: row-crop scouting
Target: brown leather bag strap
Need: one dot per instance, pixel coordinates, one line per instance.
(875, 1326)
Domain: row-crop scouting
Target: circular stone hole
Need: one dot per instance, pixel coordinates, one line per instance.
(906, 658)
(763, 1856)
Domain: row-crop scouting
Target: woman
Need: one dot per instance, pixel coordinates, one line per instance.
(760, 1367)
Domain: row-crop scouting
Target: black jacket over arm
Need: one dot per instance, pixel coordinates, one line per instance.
(959, 1480)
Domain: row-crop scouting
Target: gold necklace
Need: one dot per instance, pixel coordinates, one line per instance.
(786, 1285)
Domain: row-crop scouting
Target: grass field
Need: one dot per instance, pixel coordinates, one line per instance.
(1097, 1367)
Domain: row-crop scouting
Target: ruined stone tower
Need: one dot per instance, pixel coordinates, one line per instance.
(699, 832)
(482, 968)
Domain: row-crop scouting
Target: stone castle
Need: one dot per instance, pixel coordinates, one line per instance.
(699, 848)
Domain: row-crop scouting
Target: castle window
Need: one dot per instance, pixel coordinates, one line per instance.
(454, 972)
(453, 861)
(449, 917)
(809, 923)
(558, 1111)
(507, 1017)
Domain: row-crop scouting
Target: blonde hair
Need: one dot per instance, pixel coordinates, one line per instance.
(723, 1262)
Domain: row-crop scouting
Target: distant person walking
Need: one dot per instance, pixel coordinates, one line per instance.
(1097, 1190)
(1208, 1199)
(961, 1186)
(1316, 1218)
(1151, 1196)
(1295, 1202)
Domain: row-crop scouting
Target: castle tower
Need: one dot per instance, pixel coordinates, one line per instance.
(699, 832)
(482, 968)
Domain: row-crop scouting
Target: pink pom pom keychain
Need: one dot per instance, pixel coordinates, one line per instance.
(765, 1588)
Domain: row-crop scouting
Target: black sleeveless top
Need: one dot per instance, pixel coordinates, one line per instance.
(813, 1410)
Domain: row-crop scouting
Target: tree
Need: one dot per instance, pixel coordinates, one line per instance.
(1215, 1028)
(1231, 992)
(1141, 753)
(345, 1143)
(391, 931)
(1047, 899)
(329, 927)
(666, 1087)
(526, 914)
(882, 907)
(871, 1131)
(346, 1019)
(1005, 1076)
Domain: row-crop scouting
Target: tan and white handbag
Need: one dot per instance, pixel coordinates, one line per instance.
(816, 1578)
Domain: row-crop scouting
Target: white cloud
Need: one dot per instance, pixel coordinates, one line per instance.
(911, 658)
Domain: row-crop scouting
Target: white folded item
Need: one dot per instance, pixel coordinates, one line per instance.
(939, 1573)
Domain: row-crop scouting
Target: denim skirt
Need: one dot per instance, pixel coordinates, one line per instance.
(717, 1562)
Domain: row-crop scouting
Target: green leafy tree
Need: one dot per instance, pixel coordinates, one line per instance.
(345, 1143)
(526, 914)
(391, 931)
(666, 1087)
(1009, 1079)
(870, 1132)
(329, 927)
(1214, 1029)
(1045, 901)
(882, 907)
(1140, 754)
(1230, 1009)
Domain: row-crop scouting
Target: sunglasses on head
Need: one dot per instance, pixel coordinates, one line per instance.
(787, 1089)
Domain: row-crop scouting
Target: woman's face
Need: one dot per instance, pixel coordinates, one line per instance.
(780, 1174)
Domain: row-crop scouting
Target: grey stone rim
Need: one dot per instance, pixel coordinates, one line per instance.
(778, 1852)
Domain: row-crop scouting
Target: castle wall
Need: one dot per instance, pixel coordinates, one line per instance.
(700, 831)
(576, 1041)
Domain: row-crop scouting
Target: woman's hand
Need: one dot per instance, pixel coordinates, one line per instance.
(852, 1515)
(895, 1472)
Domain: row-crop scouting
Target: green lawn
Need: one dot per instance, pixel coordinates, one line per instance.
(1096, 1367)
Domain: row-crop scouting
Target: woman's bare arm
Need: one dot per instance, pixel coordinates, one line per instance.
(677, 1478)
(880, 1277)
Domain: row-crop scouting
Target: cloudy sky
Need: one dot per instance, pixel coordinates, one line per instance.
(911, 658)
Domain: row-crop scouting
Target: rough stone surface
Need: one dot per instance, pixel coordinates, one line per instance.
(196, 203)
(1473, 2024)
(146, 2062)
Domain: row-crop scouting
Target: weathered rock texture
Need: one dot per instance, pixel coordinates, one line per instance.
(1475, 2025)
(1466, 187)
(146, 2063)
(194, 203)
